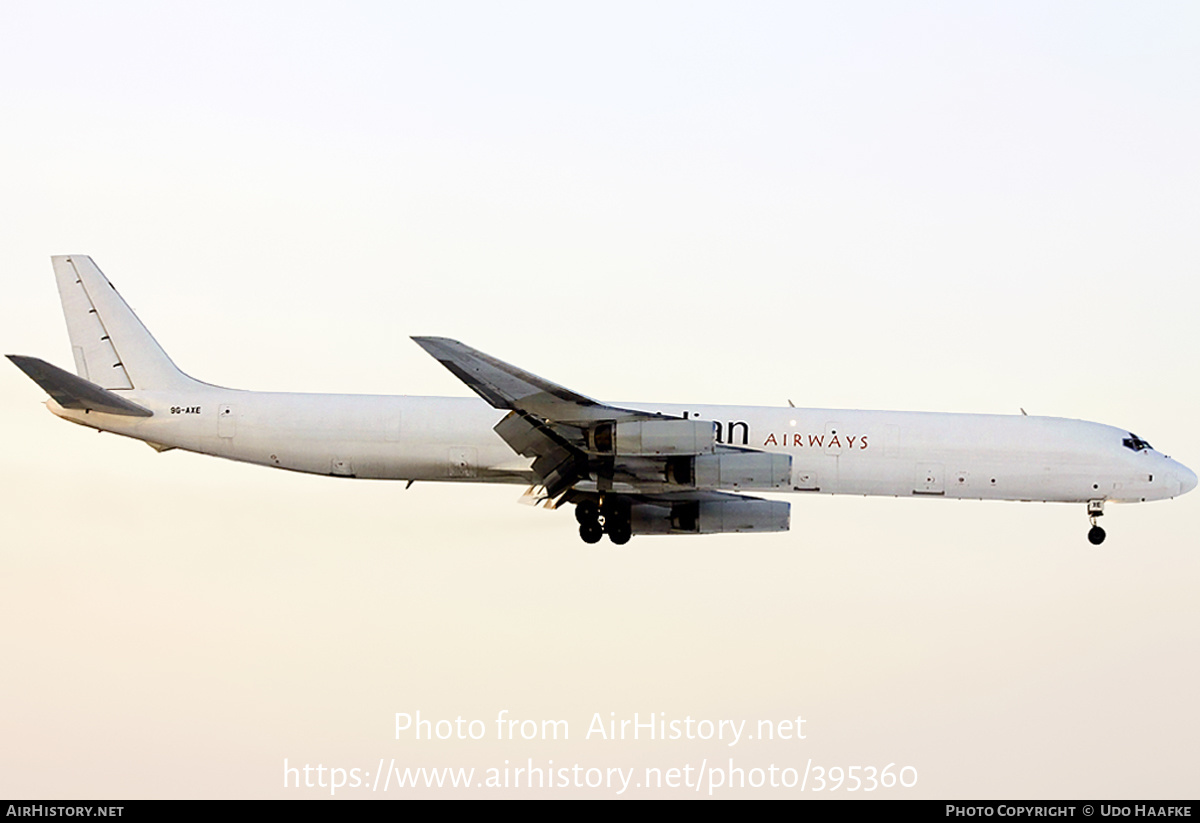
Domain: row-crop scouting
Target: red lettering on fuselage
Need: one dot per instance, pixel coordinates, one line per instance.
(853, 442)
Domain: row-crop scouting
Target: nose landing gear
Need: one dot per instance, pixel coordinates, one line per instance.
(1095, 534)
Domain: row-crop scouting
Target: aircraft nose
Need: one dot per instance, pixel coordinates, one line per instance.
(1187, 478)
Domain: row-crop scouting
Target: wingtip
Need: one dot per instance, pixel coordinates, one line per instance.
(427, 341)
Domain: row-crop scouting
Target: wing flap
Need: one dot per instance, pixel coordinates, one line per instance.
(558, 465)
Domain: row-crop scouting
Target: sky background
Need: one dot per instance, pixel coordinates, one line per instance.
(930, 206)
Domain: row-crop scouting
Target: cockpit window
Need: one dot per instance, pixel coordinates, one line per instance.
(1136, 443)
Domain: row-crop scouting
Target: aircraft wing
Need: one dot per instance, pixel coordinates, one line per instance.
(505, 386)
(546, 421)
(665, 468)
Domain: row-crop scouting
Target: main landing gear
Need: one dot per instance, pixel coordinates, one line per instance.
(611, 516)
(1095, 509)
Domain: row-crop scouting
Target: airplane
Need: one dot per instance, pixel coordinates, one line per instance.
(628, 469)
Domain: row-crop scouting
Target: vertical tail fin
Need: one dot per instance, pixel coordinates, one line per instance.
(111, 346)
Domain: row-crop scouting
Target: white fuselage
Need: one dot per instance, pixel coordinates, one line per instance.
(833, 451)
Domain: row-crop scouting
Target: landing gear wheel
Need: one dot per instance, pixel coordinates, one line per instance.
(615, 509)
(591, 532)
(1096, 535)
(616, 520)
(586, 511)
(619, 533)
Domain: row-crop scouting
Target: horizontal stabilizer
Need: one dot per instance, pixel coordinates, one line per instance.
(73, 392)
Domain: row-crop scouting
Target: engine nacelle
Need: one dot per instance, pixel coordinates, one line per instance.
(711, 517)
(653, 438)
(732, 470)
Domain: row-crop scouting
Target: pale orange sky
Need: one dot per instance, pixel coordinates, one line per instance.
(930, 208)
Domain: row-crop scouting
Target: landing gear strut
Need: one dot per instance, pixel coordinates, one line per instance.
(1095, 509)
